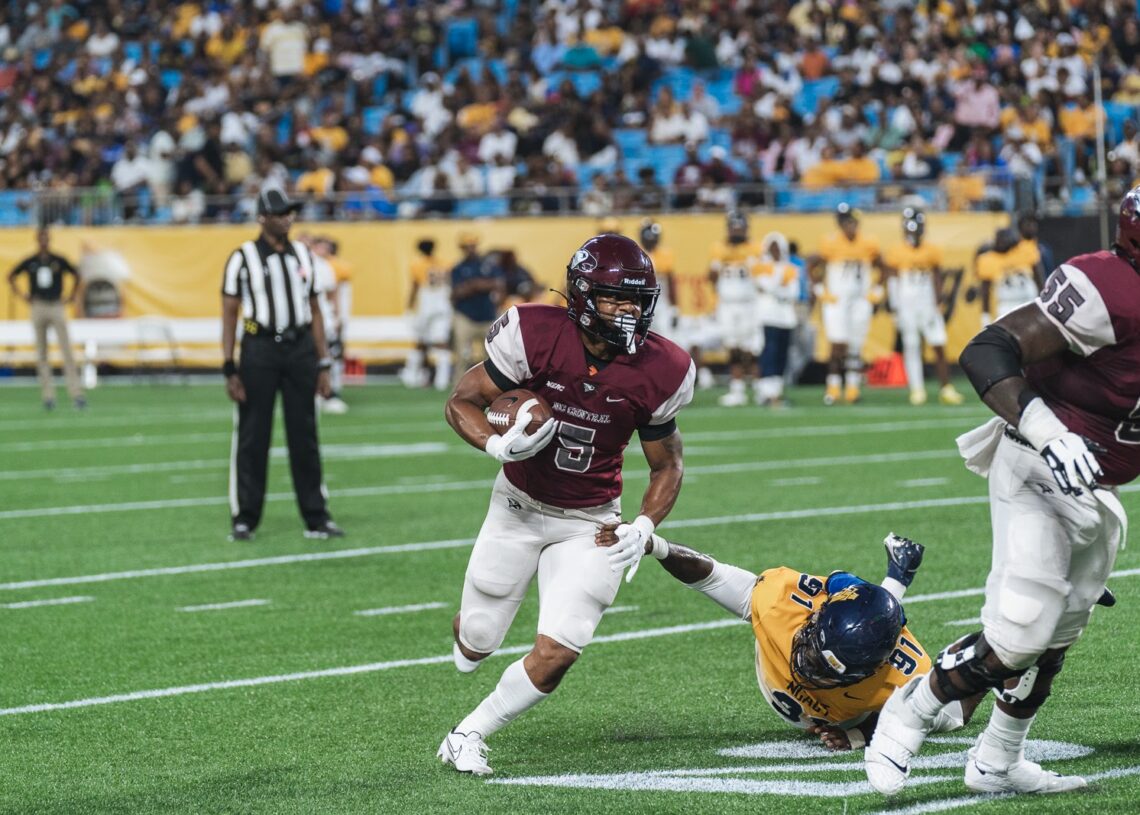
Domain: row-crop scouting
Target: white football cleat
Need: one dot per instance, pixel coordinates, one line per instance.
(466, 752)
(733, 400)
(334, 404)
(1022, 776)
(898, 737)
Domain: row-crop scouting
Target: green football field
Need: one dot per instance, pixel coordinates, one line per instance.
(151, 666)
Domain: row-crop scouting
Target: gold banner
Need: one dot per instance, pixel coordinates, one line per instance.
(177, 271)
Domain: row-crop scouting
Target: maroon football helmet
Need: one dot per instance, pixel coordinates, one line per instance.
(1127, 243)
(612, 265)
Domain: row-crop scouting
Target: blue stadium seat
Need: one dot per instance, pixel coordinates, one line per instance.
(584, 82)
(950, 161)
(372, 118)
(632, 142)
(380, 85)
(1116, 114)
(814, 90)
(133, 50)
(679, 80)
(462, 37)
(481, 207)
(16, 208)
(171, 78)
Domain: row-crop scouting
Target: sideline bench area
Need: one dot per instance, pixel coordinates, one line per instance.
(165, 343)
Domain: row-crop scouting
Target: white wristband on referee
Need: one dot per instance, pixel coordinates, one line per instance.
(1039, 425)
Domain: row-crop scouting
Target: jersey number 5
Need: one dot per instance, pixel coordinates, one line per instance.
(575, 447)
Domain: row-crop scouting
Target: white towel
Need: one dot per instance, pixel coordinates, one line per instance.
(979, 445)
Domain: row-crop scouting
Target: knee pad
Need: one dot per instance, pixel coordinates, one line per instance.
(969, 666)
(1034, 684)
(479, 631)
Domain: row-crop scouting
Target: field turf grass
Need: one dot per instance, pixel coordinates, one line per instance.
(292, 702)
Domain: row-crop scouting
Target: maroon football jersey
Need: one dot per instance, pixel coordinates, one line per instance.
(1094, 387)
(537, 347)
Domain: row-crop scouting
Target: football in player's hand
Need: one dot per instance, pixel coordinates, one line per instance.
(506, 406)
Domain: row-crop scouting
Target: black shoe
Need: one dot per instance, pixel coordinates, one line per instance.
(81, 403)
(904, 556)
(325, 531)
(241, 532)
(49, 404)
(1108, 599)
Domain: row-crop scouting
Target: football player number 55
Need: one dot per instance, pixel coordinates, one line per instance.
(575, 447)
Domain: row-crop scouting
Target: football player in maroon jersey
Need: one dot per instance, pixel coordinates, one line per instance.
(1063, 376)
(606, 377)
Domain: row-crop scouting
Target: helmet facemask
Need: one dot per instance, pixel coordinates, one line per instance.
(818, 666)
(625, 332)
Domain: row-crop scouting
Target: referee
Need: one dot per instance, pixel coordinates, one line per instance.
(270, 284)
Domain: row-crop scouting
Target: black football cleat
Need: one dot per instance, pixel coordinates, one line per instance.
(325, 531)
(1108, 599)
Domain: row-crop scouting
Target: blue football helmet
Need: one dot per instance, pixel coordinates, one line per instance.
(848, 638)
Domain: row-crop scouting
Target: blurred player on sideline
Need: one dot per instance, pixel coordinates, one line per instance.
(429, 303)
(913, 289)
(732, 264)
(778, 280)
(843, 267)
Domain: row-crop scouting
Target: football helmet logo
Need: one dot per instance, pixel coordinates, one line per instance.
(849, 638)
(616, 266)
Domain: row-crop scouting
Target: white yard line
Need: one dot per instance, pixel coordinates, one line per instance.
(382, 612)
(964, 621)
(845, 429)
(420, 486)
(224, 606)
(620, 609)
(372, 667)
(806, 481)
(924, 482)
(54, 601)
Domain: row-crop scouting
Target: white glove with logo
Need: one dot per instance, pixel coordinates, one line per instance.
(1067, 454)
(515, 444)
(630, 546)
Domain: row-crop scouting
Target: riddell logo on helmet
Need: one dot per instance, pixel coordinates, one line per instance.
(633, 281)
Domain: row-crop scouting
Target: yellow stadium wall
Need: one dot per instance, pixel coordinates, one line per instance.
(177, 271)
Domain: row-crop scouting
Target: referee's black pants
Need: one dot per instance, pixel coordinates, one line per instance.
(268, 366)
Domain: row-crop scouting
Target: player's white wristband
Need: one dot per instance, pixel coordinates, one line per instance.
(1039, 425)
(659, 547)
(494, 446)
(644, 524)
(856, 738)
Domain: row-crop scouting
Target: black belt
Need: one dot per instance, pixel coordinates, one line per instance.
(254, 329)
(1014, 436)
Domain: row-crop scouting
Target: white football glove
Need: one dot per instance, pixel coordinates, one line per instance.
(515, 444)
(1067, 454)
(630, 546)
(1073, 463)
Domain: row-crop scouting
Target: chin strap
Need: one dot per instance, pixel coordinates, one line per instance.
(627, 325)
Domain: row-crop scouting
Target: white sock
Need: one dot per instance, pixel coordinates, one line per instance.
(835, 381)
(442, 370)
(775, 386)
(730, 587)
(912, 362)
(1003, 740)
(736, 387)
(924, 703)
(412, 368)
(853, 379)
(513, 696)
(896, 588)
(462, 663)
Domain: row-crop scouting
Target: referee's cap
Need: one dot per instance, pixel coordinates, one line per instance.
(275, 202)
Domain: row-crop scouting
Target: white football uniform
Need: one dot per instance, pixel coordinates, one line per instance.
(431, 322)
(738, 299)
(847, 309)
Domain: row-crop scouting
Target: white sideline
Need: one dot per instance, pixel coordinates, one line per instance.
(443, 486)
(54, 601)
(381, 612)
(224, 606)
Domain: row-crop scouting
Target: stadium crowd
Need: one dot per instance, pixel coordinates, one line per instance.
(181, 112)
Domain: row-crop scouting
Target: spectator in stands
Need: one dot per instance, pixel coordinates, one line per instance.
(598, 201)
(703, 103)
(688, 178)
(963, 189)
(286, 41)
(977, 106)
(499, 141)
(717, 185)
(667, 123)
(130, 175)
(1079, 121)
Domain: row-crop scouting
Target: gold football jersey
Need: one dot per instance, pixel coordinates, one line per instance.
(782, 602)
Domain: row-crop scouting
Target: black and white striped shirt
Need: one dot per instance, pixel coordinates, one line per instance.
(274, 287)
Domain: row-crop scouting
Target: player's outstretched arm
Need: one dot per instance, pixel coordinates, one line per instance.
(465, 408)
